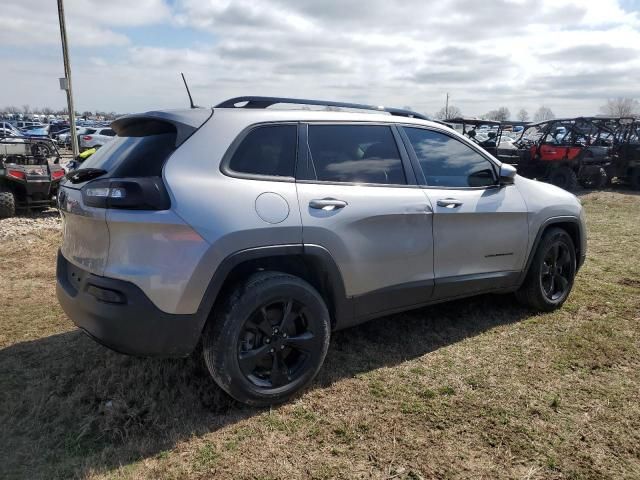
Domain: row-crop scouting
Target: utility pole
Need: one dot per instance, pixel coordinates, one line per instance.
(446, 106)
(67, 83)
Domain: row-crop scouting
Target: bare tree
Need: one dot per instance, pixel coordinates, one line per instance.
(11, 109)
(26, 109)
(451, 112)
(47, 111)
(621, 107)
(542, 114)
(500, 114)
(523, 115)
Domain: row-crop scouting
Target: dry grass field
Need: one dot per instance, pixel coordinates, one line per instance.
(479, 388)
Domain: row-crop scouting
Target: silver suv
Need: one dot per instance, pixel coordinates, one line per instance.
(257, 231)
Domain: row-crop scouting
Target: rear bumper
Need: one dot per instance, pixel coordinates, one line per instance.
(124, 320)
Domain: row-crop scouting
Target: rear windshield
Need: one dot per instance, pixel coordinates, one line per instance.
(141, 156)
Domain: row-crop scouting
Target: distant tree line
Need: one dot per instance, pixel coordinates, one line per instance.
(615, 107)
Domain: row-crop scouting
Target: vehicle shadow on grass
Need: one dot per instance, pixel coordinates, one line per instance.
(69, 406)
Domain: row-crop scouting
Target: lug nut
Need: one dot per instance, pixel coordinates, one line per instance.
(272, 350)
(267, 340)
(281, 347)
(284, 335)
(275, 330)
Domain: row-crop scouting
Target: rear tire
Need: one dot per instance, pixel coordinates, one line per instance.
(268, 340)
(551, 273)
(7, 203)
(564, 177)
(598, 180)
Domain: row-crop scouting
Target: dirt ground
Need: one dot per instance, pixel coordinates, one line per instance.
(478, 388)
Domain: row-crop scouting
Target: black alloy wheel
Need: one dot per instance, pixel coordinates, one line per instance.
(275, 344)
(556, 272)
(268, 339)
(550, 277)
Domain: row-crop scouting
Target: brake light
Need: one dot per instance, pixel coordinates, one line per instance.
(20, 175)
(145, 193)
(57, 174)
(87, 137)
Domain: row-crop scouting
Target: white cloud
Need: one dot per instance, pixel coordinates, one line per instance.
(568, 54)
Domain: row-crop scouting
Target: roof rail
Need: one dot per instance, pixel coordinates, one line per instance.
(264, 102)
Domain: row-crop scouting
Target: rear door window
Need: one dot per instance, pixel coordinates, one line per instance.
(108, 132)
(355, 154)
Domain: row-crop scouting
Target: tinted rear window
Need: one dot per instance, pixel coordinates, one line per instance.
(268, 150)
(134, 156)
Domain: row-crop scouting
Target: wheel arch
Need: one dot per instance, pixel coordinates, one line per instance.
(568, 223)
(312, 263)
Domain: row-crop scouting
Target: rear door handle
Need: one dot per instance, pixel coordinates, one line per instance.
(327, 204)
(449, 203)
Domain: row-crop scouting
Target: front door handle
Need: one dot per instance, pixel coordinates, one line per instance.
(327, 204)
(449, 203)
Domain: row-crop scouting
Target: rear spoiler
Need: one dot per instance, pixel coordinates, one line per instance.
(184, 122)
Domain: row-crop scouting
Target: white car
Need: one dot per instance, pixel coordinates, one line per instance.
(94, 137)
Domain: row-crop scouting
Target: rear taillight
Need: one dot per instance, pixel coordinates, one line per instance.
(145, 193)
(57, 174)
(87, 137)
(20, 175)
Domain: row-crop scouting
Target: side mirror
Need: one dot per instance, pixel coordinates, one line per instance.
(507, 174)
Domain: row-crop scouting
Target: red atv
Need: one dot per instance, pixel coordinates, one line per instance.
(563, 152)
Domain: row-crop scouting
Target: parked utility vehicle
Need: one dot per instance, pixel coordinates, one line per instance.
(258, 232)
(563, 152)
(29, 176)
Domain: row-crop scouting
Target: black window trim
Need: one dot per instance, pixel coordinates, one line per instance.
(231, 150)
(422, 180)
(304, 175)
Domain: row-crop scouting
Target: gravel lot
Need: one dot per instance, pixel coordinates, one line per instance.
(29, 223)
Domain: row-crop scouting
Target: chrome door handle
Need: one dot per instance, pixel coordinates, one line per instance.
(327, 204)
(449, 203)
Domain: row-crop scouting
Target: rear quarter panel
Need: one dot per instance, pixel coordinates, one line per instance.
(220, 208)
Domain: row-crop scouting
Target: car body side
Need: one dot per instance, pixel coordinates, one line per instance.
(182, 259)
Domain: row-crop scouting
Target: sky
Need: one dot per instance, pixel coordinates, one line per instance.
(126, 55)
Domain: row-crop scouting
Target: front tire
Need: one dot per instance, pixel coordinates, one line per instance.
(268, 340)
(550, 277)
(564, 177)
(7, 203)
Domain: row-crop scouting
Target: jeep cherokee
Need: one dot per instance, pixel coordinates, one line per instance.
(256, 232)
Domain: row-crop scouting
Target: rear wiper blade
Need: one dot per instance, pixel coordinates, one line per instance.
(84, 174)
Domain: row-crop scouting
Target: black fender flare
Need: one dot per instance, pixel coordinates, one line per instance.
(342, 308)
(547, 223)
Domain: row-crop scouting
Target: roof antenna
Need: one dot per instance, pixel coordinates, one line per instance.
(188, 92)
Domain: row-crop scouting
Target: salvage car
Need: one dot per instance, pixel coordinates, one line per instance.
(256, 232)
